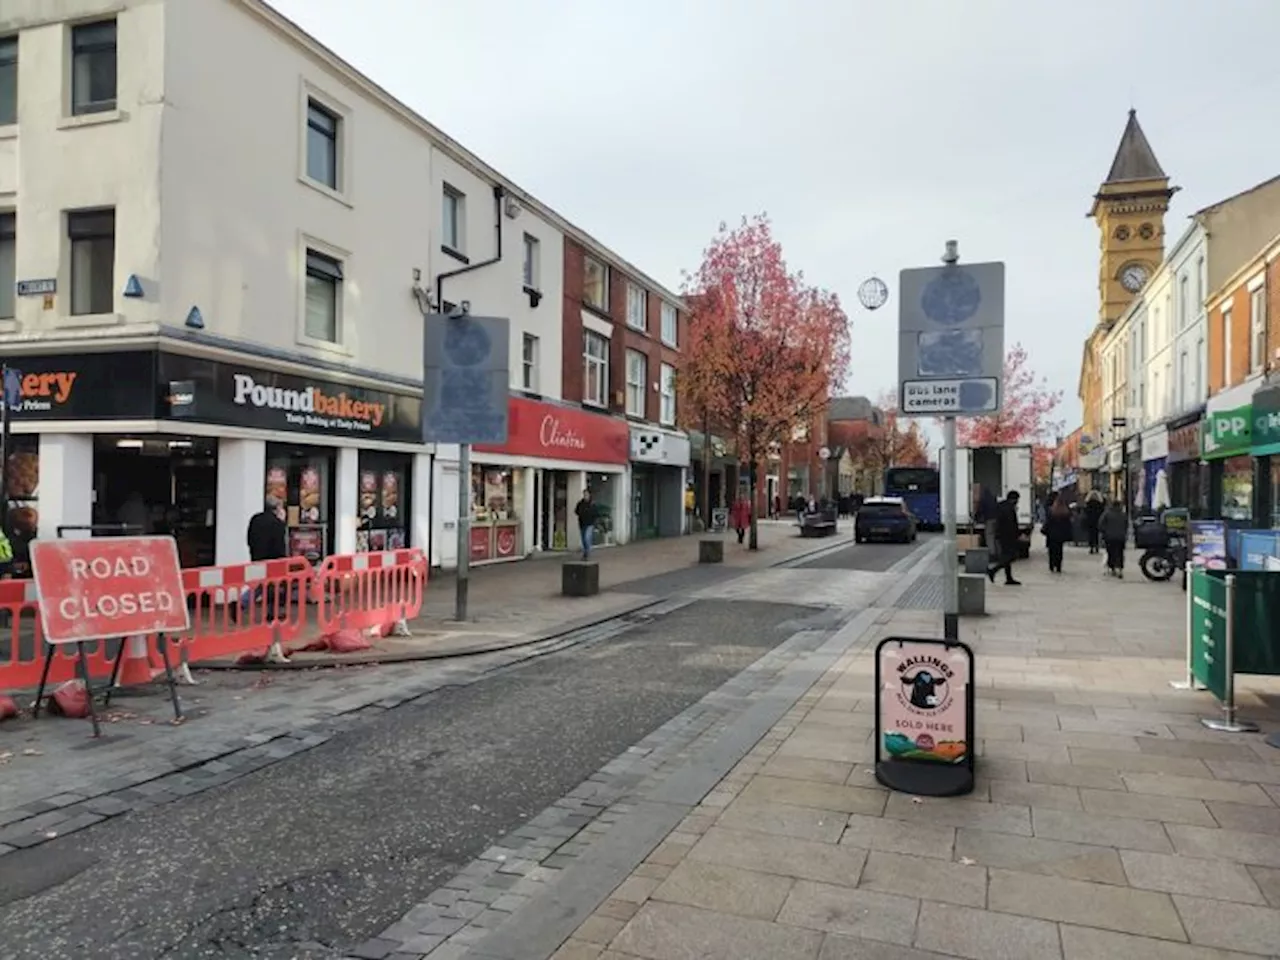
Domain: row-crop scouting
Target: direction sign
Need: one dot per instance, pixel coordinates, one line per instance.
(951, 335)
(466, 380)
(108, 587)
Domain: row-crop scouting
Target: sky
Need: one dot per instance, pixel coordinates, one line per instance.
(871, 131)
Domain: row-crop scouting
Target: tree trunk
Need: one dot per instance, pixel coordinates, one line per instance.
(706, 470)
(754, 541)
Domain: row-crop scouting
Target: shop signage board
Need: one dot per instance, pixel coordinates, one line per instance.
(108, 587)
(551, 431)
(1209, 632)
(925, 738)
(87, 386)
(1266, 422)
(1257, 547)
(951, 339)
(1209, 544)
(1227, 433)
(466, 379)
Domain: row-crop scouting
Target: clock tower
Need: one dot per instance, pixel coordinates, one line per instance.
(1129, 209)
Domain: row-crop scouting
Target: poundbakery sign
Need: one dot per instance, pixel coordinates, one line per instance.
(236, 395)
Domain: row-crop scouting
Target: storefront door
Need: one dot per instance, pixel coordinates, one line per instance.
(554, 507)
(384, 509)
(644, 502)
(302, 478)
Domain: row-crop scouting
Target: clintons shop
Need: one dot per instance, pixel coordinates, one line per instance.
(523, 493)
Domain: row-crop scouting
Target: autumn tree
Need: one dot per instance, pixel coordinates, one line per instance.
(1025, 409)
(764, 349)
(896, 442)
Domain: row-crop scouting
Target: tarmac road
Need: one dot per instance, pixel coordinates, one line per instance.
(314, 855)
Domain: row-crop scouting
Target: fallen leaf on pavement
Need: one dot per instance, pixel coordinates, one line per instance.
(50, 834)
(968, 861)
(31, 752)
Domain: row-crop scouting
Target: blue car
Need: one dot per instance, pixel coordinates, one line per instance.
(884, 518)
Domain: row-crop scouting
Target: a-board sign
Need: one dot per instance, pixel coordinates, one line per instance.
(924, 716)
(108, 587)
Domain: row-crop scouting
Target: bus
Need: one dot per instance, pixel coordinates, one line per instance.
(921, 490)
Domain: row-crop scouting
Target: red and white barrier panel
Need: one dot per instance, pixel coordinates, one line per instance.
(370, 593)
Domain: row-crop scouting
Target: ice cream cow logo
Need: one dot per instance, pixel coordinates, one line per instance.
(922, 717)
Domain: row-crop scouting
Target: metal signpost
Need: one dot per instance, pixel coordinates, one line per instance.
(465, 386)
(950, 364)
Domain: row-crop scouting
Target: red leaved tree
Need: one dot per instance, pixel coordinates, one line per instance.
(896, 442)
(1024, 413)
(764, 349)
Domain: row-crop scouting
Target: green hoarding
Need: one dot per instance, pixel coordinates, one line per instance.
(1209, 632)
(1227, 433)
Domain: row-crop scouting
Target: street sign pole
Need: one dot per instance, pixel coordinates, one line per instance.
(950, 549)
(463, 582)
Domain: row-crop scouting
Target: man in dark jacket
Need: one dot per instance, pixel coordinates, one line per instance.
(1003, 541)
(588, 514)
(267, 536)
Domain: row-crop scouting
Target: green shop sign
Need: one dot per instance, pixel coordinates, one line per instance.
(1226, 433)
(1266, 421)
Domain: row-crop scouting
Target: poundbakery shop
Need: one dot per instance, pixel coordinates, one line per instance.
(190, 443)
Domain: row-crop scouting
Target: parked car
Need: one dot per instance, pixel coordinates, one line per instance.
(884, 518)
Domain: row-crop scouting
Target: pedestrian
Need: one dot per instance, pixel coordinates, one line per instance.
(267, 537)
(1003, 539)
(741, 517)
(1093, 508)
(777, 506)
(588, 513)
(1114, 529)
(985, 507)
(1057, 531)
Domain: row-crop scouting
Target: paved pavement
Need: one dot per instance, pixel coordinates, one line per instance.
(1106, 823)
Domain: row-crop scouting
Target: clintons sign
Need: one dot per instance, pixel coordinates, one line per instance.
(553, 432)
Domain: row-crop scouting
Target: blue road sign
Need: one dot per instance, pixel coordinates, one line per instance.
(466, 379)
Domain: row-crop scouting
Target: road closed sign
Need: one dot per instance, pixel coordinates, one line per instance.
(108, 587)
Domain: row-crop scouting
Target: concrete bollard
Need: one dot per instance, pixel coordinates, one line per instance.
(971, 593)
(580, 578)
(710, 550)
(976, 560)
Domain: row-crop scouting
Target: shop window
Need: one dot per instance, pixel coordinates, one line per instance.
(383, 510)
(8, 263)
(324, 298)
(93, 260)
(529, 363)
(8, 80)
(93, 67)
(595, 284)
(302, 479)
(1237, 488)
(595, 368)
(497, 503)
(22, 511)
(637, 375)
(668, 413)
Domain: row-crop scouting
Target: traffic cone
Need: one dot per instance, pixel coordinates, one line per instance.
(136, 667)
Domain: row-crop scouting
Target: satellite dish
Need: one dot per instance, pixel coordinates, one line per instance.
(873, 293)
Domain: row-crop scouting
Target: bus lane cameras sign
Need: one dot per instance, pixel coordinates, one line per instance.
(108, 587)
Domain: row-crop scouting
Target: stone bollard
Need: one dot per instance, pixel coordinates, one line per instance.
(711, 550)
(976, 560)
(971, 595)
(580, 578)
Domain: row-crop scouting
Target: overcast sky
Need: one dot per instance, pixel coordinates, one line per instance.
(870, 130)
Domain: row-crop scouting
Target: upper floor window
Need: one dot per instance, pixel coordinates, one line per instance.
(637, 375)
(323, 319)
(595, 368)
(532, 261)
(1226, 347)
(529, 363)
(670, 325)
(637, 305)
(1257, 329)
(1183, 384)
(453, 219)
(8, 80)
(595, 284)
(93, 67)
(324, 128)
(8, 263)
(92, 234)
(667, 415)
(1200, 282)
(1184, 301)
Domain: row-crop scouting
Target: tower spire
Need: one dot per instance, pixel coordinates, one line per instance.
(1134, 159)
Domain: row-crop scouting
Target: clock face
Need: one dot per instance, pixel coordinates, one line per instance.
(1132, 278)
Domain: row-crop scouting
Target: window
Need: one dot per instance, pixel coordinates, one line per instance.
(1184, 300)
(637, 374)
(637, 305)
(8, 263)
(1201, 381)
(324, 298)
(670, 325)
(93, 257)
(1226, 348)
(93, 68)
(595, 368)
(1183, 384)
(8, 81)
(454, 219)
(595, 284)
(323, 127)
(667, 415)
(1257, 329)
(532, 262)
(1200, 280)
(529, 363)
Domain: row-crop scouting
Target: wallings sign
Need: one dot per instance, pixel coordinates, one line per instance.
(239, 395)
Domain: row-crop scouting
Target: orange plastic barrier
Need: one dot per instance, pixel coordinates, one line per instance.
(22, 646)
(369, 591)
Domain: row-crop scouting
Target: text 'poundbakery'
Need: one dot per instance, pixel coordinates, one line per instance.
(308, 400)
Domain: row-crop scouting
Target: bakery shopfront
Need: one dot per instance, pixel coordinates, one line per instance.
(523, 493)
(165, 442)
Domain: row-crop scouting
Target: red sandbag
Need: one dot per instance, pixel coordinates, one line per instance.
(7, 707)
(347, 641)
(70, 700)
